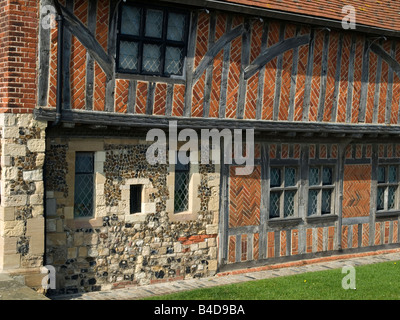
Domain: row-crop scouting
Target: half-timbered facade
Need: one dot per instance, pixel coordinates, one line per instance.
(79, 97)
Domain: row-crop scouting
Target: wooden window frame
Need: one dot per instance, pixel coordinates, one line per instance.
(142, 39)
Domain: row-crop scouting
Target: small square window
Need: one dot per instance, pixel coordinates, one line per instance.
(387, 191)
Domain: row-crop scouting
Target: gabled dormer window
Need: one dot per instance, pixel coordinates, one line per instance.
(152, 40)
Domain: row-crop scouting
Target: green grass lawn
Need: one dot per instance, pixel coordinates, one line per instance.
(373, 282)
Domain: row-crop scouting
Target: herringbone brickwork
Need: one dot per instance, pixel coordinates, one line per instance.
(244, 198)
(356, 191)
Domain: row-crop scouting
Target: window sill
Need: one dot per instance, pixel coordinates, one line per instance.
(278, 222)
(323, 218)
(79, 223)
(182, 216)
(387, 214)
(149, 78)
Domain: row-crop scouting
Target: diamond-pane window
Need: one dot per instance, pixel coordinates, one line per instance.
(154, 23)
(274, 204)
(312, 202)
(130, 21)
(275, 180)
(151, 58)
(182, 178)
(152, 40)
(128, 55)
(387, 192)
(283, 192)
(176, 26)
(326, 201)
(290, 177)
(289, 204)
(321, 190)
(84, 184)
(314, 176)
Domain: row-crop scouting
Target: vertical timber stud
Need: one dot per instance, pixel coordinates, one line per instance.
(187, 110)
(389, 95)
(337, 79)
(66, 60)
(44, 56)
(209, 71)
(111, 49)
(132, 96)
(223, 211)
(278, 80)
(169, 98)
(244, 63)
(339, 193)
(303, 203)
(374, 191)
(351, 79)
(324, 72)
(261, 74)
(264, 201)
(307, 90)
(377, 89)
(225, 71)
(293, 80)
(364, 83)
(92, 12)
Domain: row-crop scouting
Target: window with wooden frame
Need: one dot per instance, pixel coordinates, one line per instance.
(182, 180)
(84, 185)
(284, 184)
(152, 40)
(321, 190)
(388, 183)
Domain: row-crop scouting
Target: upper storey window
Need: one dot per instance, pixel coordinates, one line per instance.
(152, 40)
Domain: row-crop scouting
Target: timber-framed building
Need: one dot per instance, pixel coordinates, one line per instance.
(78, 96)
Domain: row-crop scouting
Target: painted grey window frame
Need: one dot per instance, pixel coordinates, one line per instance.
(320, 187)
(283, 189)
(141, 39)
(386, 185)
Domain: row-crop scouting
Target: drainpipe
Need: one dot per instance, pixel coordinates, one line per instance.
(60, 40)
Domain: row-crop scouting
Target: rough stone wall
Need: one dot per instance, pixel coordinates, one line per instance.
(115, 248)
(22, 194)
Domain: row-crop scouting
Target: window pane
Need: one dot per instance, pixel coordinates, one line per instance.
(381, 175)
(289, 203)
(381, 199)
(84, 162)
(392, 198)
(327, 176)
(181, 198)
(152, 58)
(128, 55)
(176, 26)
(312, 202)
(392, 174)
(130, 23)
(83, 205)
(135, 199)
(326, 201)
(290, 177)
(154, 23)
(275, 179)
(173, 60)
(274, 204)
(314, 177)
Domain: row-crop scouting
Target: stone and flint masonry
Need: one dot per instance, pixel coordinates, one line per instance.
(79, 95)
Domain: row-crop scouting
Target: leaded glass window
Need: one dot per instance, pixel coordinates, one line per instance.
(152, 40)
(321, 190)
(84, 184)
(283, 192)
(388, 182)
(182, 179)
